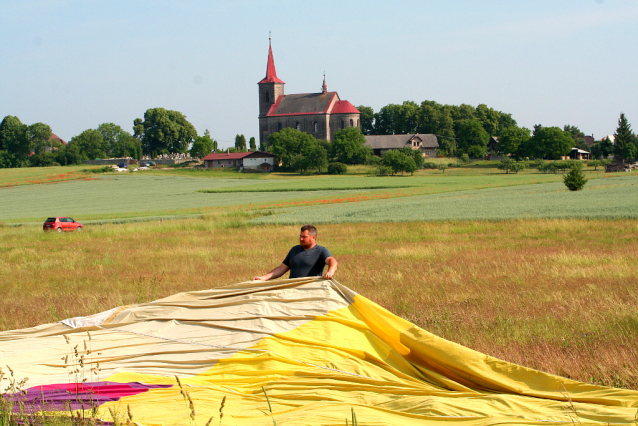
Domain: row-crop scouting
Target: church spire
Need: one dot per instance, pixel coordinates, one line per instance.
(271, 73)
(324, 87)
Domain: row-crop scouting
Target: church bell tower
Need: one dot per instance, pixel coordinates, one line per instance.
(270, 88)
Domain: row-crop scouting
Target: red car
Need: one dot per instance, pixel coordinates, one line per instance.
(61, 224)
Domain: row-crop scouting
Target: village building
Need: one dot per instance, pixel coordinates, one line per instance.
(578, 154)
(258, 161)
(319, 114)
(426, 143)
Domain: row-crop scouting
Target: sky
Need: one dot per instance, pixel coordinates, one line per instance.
(74, 64)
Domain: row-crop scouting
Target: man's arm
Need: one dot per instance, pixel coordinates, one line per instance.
(275, 273)
(332, 267)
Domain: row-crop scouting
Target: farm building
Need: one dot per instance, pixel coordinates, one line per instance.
(262, 161)
(319, 114)
(426, 143)
(579, 154)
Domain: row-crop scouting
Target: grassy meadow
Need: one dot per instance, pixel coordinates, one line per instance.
(547, 286)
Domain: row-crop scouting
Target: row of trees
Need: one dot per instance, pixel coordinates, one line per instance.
(460, 129)
(465, 129)
(30, 145)
(160, 132)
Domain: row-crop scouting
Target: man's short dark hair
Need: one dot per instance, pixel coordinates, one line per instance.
(310, 228)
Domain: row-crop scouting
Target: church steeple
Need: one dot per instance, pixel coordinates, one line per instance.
(324, 87)
(271, 88)
(271, 72)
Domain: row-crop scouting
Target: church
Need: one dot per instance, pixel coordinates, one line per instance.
(319, 114)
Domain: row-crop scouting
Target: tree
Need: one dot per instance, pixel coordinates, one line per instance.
(508, 165)
(367, 119)
(253, 144)
(13, 139)
(202, 146)
(398, 161)
(240, 143)
(512, 139)
(90, 144)
(166, 131)
(415, 154)
(288, 143)
(575, 178)
(602, 149)
(472, 138)
(311, 157)
(68, 154)
(39, 135)
(550, 143)
(624, 144)
(118, 142)
(349, 146)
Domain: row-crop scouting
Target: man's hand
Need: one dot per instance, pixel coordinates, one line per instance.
(275, 273)
(332, 268)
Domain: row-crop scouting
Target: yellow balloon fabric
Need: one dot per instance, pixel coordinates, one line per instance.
(299, 352)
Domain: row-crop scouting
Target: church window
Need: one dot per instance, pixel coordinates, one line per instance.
(351, 122)
(358, 125)
(316, 127)
(343, 124)
(278, 126)
(267, 96)
(298, 126)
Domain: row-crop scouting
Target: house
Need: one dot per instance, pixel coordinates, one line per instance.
(426, 143)
(579, 154)
(261, 161)
(589, 140)
(319, 114)
(492, 144)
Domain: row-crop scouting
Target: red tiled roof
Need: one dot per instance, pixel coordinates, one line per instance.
(55, 137)
(271, 73)
(237, 155)
(227, 156)
(344, 107)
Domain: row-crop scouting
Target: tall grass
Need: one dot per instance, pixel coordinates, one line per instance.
(557, 295)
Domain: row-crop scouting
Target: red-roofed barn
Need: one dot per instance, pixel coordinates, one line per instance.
(319, 114)
(262, 161)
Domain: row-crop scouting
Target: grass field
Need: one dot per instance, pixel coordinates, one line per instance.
(173, 193)
(547, 281)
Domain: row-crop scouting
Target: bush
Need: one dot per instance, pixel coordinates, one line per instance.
(575, 178)
(383, 170)
(429, 165)
(337, 168)
(464, 158)
(373, 160)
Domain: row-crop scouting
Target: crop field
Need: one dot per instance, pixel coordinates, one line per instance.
(514, 266)
(93, 198)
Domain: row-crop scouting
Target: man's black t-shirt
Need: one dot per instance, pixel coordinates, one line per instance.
(306, 263)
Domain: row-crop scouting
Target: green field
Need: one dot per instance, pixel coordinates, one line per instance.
(160, 193)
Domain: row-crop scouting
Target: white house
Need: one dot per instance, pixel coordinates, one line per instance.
(262, 161)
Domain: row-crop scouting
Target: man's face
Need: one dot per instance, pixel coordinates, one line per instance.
(306, 240)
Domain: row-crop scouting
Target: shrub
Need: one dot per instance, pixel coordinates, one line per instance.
(337, 168)
(429, 165)
(373, 160)
(383, 170)
(464, 159)
(575, 178)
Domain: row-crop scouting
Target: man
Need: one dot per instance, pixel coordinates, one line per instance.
(308, 259)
